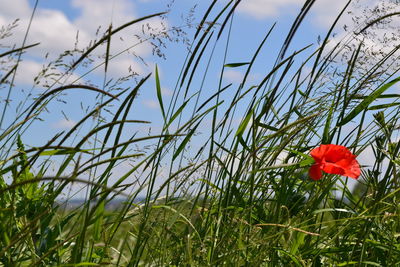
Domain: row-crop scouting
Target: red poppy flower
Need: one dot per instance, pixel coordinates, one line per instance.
(334, 159)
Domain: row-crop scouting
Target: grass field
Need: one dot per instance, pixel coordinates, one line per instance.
(239, 194)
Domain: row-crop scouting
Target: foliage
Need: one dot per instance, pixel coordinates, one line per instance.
(241, 197)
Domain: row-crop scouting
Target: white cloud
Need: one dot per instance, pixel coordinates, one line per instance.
(377, 43)
(2, 22)
(49, 27)
(119, 67)
(57, 33)
(261, 9)
(27, 71)
(322, 13)
(166, 92)
(95, 13)
(233, 76)
(15, 8)
(64, 124)
(325, 12)
(151, 104)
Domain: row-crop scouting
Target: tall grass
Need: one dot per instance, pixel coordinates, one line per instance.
(236, 195)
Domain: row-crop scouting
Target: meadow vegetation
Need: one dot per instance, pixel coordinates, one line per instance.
(227, 193)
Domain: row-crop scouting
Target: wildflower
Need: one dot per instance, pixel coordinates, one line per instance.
(334, 159)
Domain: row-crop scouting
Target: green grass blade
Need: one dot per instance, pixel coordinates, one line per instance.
(159, 96)
(368, 100)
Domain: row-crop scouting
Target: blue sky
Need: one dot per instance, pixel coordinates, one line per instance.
(56, 24)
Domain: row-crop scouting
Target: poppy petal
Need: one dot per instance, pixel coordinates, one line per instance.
(350, 166)
(318, 153)
(334, 159)
(336, 153)
(332, 168)
(315, 172)
(353, 171)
